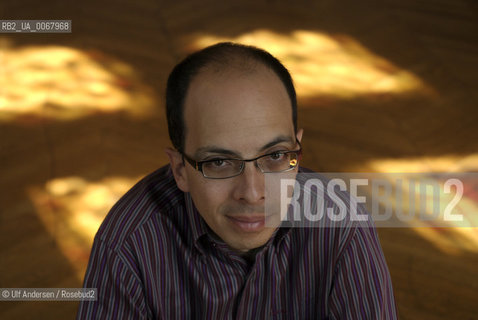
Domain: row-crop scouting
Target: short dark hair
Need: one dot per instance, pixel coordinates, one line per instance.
(222, 55)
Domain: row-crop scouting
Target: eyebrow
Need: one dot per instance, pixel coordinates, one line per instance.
(214, 149)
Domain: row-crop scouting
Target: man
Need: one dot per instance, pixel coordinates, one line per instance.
(191, 239)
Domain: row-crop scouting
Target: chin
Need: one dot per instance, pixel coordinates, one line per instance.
(253, 245)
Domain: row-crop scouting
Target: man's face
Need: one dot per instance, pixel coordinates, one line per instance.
(235, 115)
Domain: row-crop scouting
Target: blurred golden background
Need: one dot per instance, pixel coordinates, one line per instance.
(383, 86)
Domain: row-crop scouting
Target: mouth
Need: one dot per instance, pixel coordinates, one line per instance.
(248, 223)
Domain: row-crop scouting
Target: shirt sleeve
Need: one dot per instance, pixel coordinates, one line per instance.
(119, 288)
(362, 288)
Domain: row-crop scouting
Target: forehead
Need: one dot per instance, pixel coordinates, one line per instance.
(236, 109)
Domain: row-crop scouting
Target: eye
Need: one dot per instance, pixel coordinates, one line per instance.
(217, 162)
(276, 155)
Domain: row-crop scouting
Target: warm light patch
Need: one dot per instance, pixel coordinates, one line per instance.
(326, 64)
(445, 163)
(451, 241)
(458, 236)
(73, 208)
(66, 83)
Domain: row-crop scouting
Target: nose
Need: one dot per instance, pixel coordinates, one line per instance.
(250, 184)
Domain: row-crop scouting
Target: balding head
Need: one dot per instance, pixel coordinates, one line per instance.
(218, 59)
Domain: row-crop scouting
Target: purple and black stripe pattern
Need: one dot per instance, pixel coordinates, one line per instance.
(153, 258)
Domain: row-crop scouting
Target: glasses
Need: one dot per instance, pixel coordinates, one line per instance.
(274, 162)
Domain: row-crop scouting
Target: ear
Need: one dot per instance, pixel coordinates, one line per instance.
(299, 134)
(178, 168)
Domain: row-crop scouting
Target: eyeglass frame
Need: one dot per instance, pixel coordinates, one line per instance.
(197, 165)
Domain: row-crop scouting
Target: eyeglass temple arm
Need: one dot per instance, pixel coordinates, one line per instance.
(191, 161)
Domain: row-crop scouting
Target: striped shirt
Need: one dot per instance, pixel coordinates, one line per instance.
(154, 258)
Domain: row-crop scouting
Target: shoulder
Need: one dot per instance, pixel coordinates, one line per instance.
(152, 198)
(305, 170)
(338, 227)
